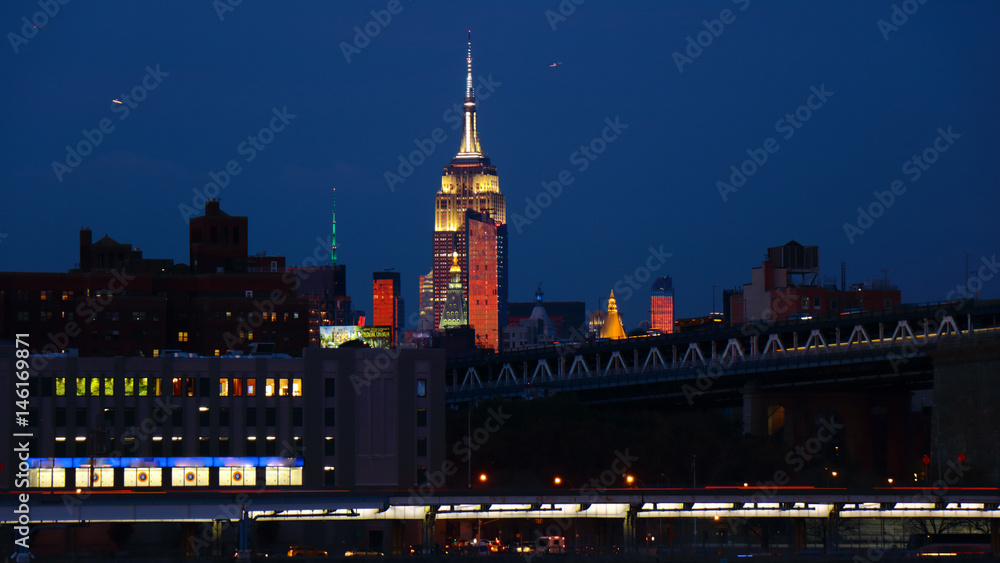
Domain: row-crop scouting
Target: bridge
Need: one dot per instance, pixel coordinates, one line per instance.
(862, 350)
(553, 511)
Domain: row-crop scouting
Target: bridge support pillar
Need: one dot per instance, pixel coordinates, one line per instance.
(799, 533)
(629, 527)
(830, 535)
(427, 530)
(242, 532)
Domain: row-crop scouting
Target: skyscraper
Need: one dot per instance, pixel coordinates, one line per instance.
(612, 327)
(477, 239)
(387, 302)
(661, 305)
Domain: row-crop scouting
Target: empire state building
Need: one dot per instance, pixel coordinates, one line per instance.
(470, 222)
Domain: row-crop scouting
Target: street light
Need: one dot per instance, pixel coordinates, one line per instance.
(557, 480)
(482, 477)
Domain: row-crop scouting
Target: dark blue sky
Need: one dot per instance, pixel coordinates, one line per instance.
(654, 185)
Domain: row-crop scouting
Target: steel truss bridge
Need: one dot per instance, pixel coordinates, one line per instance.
(868, 349)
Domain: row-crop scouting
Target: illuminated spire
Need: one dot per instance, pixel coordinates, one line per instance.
(613, 322)
(469, 148)
(470, 91)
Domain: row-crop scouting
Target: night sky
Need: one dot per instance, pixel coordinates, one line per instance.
(688, 112)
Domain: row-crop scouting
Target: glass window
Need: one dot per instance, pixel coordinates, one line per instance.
(224, 387)
(296, 387)
(297, 416)
(329, 416)
(237, 389)
(270, 416)
(283, 388)
(421, 418)
(95, 386)
(129, 386)
(329, 446)
(421, 387)
(81, 386)
(60, 386)
(330, 387)
(269, 387)
(252, 387)
(109, 387)
(421, 447)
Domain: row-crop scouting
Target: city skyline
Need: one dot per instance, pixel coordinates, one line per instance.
(671, 124)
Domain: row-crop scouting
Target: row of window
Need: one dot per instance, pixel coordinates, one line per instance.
(180, 387)
(94, 386)
(136, 477)
(165, 446)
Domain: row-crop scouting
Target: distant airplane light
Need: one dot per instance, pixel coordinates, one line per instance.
(117, 101)
(555, 64)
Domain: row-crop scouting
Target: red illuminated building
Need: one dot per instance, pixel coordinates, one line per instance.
(661, 305)
(387, 304)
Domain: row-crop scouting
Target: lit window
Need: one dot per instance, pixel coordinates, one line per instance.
(224, 387)
(60, 386)
(269, 388)
(421, 387)
(283, 387)
(237, 387)
(189, 476)
(182, 336)
(142, 387)
(109, 387)
(81, 386)
(296, 387)
(129, 386)
(237, 476)
(252, 387)
(143, 476)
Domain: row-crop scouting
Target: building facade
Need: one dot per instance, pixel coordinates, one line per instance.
(470, 183)
(661, 305)
(345, 418)
(121, 304)
(785, 286)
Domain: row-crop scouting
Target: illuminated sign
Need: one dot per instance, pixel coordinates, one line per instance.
(373, 336)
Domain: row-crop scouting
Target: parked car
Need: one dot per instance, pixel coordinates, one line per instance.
(306, 551)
